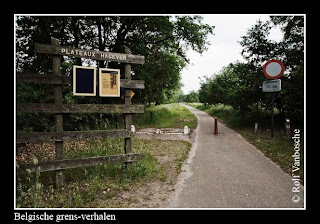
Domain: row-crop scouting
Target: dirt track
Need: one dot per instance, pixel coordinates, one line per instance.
(226, 171)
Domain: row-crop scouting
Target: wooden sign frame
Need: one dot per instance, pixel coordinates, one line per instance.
(109, 82)
(79, 93)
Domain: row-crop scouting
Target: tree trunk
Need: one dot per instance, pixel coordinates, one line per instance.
(76, 30)
(281, 109)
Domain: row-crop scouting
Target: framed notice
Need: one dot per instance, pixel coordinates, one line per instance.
(109, 82)
(84, 81)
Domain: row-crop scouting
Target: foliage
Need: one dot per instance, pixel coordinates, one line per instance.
(236, 85)
(174, 95)
(239, 84)
(191, 97)
(163, 40)
(290, 50)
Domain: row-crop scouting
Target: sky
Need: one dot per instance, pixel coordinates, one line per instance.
(224, 49)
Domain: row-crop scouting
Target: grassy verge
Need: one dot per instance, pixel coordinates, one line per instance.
(165, 116)
(106, 185)
(98, 186)
(279, 149)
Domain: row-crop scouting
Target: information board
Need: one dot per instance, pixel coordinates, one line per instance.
(109, 82)
(84, 81)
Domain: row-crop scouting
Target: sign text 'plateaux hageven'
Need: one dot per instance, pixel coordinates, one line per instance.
(98, 55)
(93, 54)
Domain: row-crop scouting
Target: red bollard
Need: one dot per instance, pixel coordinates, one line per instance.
(215, 126)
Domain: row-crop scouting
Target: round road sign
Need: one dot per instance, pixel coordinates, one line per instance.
(273, 69)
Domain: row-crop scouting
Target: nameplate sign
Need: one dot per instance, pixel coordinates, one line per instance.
(83, 53)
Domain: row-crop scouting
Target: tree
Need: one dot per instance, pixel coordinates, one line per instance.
(204, 90)
(257, 49)
(163, 40)
(236, 85)
(173, 95)
(191, 97)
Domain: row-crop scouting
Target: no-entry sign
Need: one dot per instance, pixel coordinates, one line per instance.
(273, 69)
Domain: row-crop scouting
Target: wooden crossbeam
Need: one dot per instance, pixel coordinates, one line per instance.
(78, 108)
(70, 135)
(83, 53)
(78, 162)
(67, 80)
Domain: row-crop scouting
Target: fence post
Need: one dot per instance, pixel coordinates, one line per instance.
(287, 125)
(58, 116)
(127, 102)
(255, 128)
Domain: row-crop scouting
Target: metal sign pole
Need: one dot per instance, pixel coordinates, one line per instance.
(272, 117)
(272, 69)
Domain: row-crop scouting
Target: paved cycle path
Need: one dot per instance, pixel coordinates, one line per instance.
(225, 171)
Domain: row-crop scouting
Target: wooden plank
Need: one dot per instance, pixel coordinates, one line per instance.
(78, 108)
(44, 78)
(132, 84)
(83, 53)
(79, 162)
(67, 80)
(70, 135)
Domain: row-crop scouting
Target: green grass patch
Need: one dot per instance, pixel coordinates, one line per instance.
(165, 116)
(279, 149)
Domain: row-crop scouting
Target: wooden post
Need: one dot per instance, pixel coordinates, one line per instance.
(215, 126)
(287, 125)
(127, 102)
(255, 128)
(58, 116)
(151, 116)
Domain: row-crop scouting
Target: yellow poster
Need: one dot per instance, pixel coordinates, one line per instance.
(109, 82)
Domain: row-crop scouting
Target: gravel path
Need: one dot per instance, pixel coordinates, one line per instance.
(226, 171)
